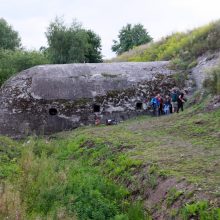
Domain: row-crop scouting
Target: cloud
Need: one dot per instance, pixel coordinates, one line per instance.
(106, 17)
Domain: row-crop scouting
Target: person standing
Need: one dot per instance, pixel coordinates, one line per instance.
(167, 105)
(160, 100)
(174, 99)
(180, 102)
(155, 105)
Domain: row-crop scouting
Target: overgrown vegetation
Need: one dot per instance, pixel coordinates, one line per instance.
(63, 179)
(181, 48)
(110, 172)
(12, 62)
(13, 58)
(107, 172)
(173, 195)
(212, 83)
(9, 154)
(200, 210)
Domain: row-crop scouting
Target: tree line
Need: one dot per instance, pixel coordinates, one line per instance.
(66, 44)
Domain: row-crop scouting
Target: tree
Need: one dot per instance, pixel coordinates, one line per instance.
(72, 44)
(130, 37)
(94, 51)
(12, 62)
(9, 38)
(14, 59)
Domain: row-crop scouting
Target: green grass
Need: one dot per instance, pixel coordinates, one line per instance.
(67, 177)
(182, 140)
(9, 153)
(103, 172)
(200, 210)
(172, 196)
(182, 47)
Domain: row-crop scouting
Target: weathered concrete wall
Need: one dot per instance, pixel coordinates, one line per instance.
(51, 98)
(204, 63)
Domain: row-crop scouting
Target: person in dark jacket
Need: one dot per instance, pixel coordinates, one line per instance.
(180, 102)
(160, 100)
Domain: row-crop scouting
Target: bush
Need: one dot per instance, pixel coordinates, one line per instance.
(212, 83)
(9, 153)
(12, 62)
(200, 210)
(53, 179)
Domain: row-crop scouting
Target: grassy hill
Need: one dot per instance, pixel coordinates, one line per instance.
(182, 47)
(140, 169)
(144, 168)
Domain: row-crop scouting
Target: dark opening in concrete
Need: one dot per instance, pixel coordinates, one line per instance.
(96, 108)
(139, 105)
(53, 111)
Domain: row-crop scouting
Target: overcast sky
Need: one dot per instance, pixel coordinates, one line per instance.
(106, 17)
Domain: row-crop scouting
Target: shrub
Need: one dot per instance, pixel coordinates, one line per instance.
(212, 83)
(9, 153)
(12, 62)
(172, 196)
(55, 179)
(200, 210)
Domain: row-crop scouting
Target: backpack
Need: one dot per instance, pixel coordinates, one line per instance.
(154, 102)
(174, 97)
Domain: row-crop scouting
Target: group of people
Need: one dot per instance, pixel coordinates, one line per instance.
(170, 104)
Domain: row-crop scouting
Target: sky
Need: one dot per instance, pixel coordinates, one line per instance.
(106, 17)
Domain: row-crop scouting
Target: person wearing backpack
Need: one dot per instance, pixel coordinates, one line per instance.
(155, 105)
(174, 98)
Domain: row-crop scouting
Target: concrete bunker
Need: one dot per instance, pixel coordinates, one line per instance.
(51, 98)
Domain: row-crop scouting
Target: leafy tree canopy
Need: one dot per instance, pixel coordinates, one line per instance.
(72, 44)
(129, 37)
(14, 61)
(9, 38)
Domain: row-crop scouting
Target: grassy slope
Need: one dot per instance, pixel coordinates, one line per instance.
(182, 48)
(102, 172)
(98, 172)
